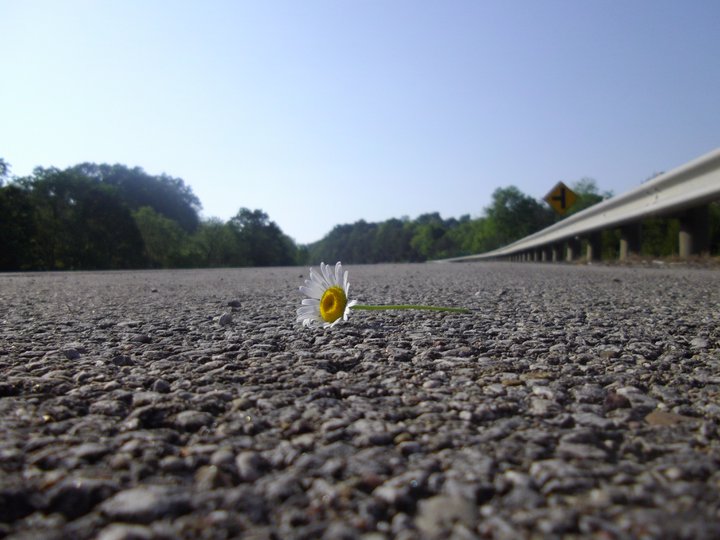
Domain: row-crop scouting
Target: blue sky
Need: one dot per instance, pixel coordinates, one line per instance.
(327, 112)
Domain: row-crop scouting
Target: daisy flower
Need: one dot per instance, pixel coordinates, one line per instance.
(327, 299)
(327, 293)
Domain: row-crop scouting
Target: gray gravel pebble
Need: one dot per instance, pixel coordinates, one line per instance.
(574, 402)
(145, 504)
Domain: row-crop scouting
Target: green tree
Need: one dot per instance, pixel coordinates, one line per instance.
(4, 171)
(429, 238)
(218, 244)
(164, 194)
(79, 224)
(361, 241)
(17, 229)
(166, 243)
(515, 215)
(482, 236)
(588, 195)
(262, 240)
(109, 234)
(659, 237)
(392, 241)
(335, 246)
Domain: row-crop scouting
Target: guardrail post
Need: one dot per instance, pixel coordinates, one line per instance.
(694, 237)
(629, 240)
(555, 251)
(573, 249)
(594, 247)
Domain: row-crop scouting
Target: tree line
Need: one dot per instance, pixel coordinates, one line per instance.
(510, 216)
(92, 216)
(113, 217)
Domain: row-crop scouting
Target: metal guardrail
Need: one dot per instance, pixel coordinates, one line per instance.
(689, 186)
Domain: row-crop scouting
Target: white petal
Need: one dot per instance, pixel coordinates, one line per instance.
(322, 279)
(315, 278)
(326, 273)
(313, 290)
(331, 274)
(338, 273)
(345, 282)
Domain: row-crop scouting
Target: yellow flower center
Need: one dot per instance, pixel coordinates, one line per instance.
(332, 304)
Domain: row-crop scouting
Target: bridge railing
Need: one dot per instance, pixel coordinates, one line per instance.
(684, 193)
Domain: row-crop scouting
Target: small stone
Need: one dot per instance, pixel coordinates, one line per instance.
(122, 360)
(607, 352)
(409, 447)
(211, 477)
(558, 521)
(638, 398)
(222, 457)
(90, 451)
(109, 407)
(148, 417)
(75, 497)
(400, 490)
(339, 531)
(544, 392)
(161, 386)
(495, 390)
(580, 451)
(699, 343)
(593, 420)
(614, 401)
(543, 407)
(225, 319)
(192, 420)
(664, 418)
(589, 393)
(119, 531)
(250, 466)
(558, 476)
(472, 491)
(71, 353)
(146, 504)
(284, 486)
(173, 464)
(371, 433)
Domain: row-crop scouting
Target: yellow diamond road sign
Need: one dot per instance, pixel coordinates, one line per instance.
(561, 198)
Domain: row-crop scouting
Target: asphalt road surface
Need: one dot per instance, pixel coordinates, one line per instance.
(573, 402)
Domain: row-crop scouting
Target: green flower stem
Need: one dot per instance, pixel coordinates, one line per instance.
(403, 306)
